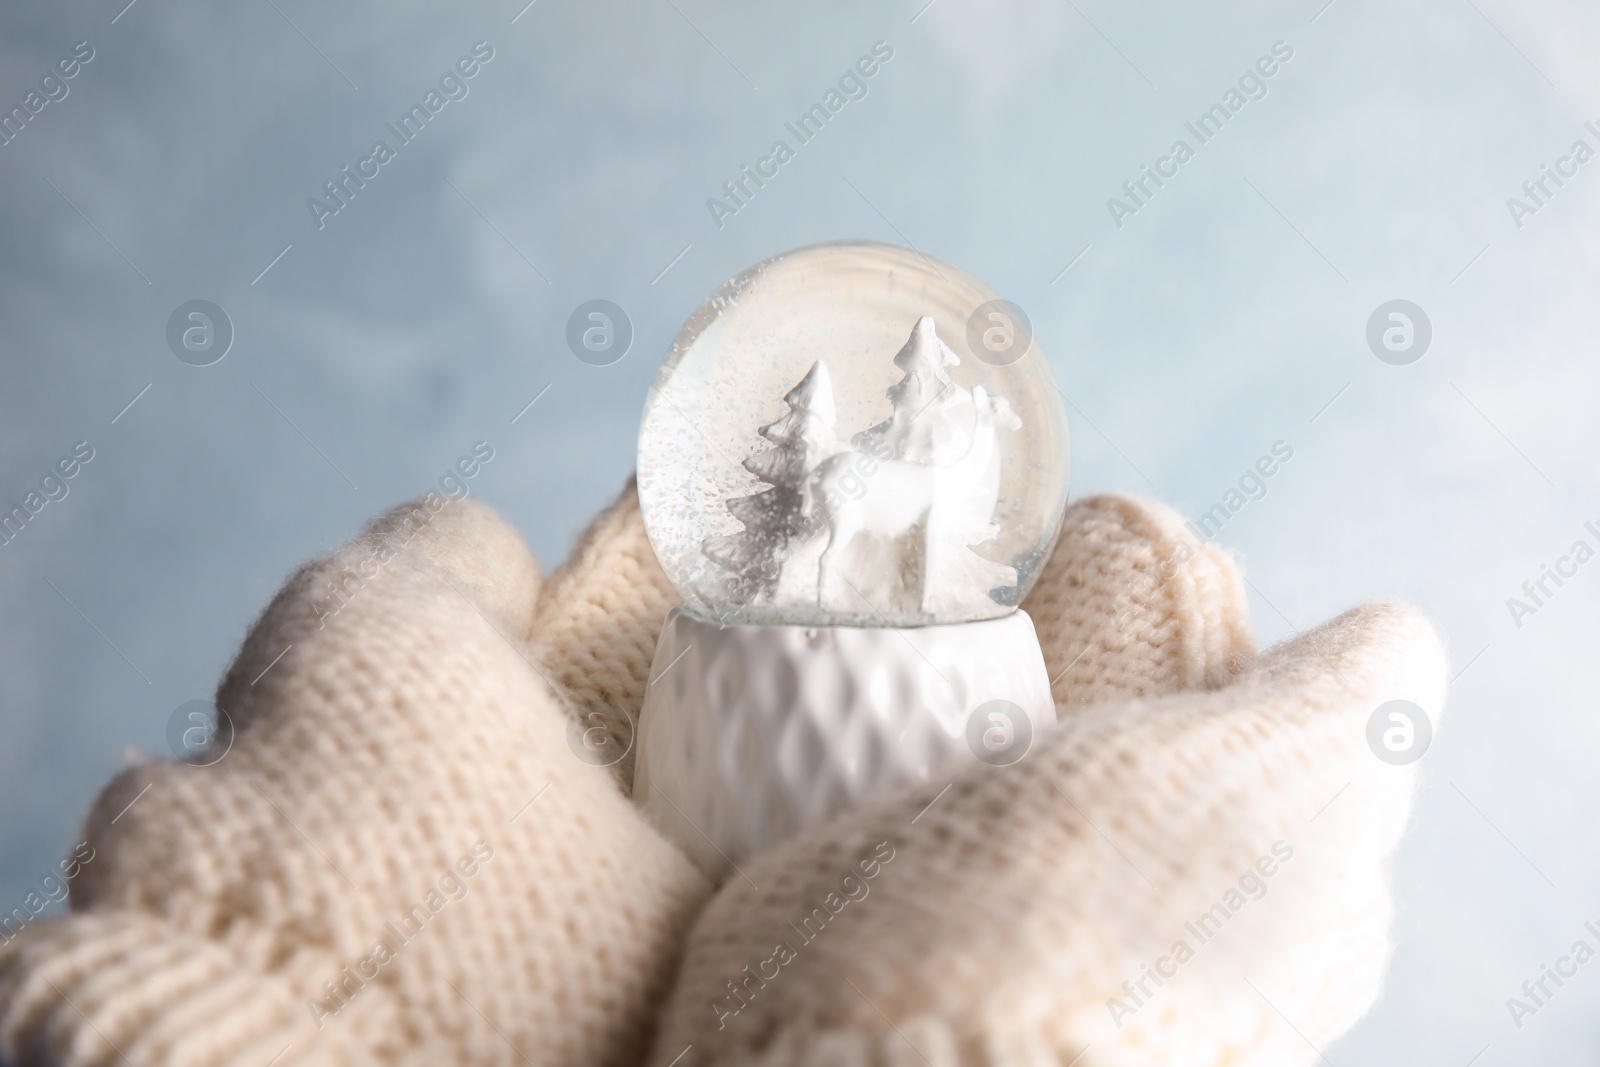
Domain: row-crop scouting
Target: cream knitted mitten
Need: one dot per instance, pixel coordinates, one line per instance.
(400, 860)
(1187, 871)
(403, 860)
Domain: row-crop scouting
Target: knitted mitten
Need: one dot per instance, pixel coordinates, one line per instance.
(1187, 870)
(401, 859)
(414, 733)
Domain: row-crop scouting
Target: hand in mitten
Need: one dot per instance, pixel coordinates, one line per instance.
(400, 860)
(1187, 870)
(309, 896)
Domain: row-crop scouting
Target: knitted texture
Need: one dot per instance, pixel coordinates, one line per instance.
(403, 744)
(993, 919)
(421, 729)
(1177, 612)
(599, 619)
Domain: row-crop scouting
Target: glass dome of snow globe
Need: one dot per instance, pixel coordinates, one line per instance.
(853, 434)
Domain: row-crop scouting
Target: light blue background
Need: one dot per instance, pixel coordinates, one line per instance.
(1220, 319)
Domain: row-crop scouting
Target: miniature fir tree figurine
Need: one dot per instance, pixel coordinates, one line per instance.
(935, 421)
(890, 521)
(774, 519)
(931, 420)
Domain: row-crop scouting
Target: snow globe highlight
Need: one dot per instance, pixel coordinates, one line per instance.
(852, 466)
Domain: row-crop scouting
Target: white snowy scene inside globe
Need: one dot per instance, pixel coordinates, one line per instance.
(822, 447)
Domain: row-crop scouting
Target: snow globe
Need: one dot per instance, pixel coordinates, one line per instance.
(852, 466)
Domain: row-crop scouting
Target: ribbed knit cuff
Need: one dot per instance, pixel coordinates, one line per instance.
(126, 988)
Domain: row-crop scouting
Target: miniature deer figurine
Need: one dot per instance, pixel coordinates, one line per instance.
(848, 496)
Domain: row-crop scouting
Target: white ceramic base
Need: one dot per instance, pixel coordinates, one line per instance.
(752, 734)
